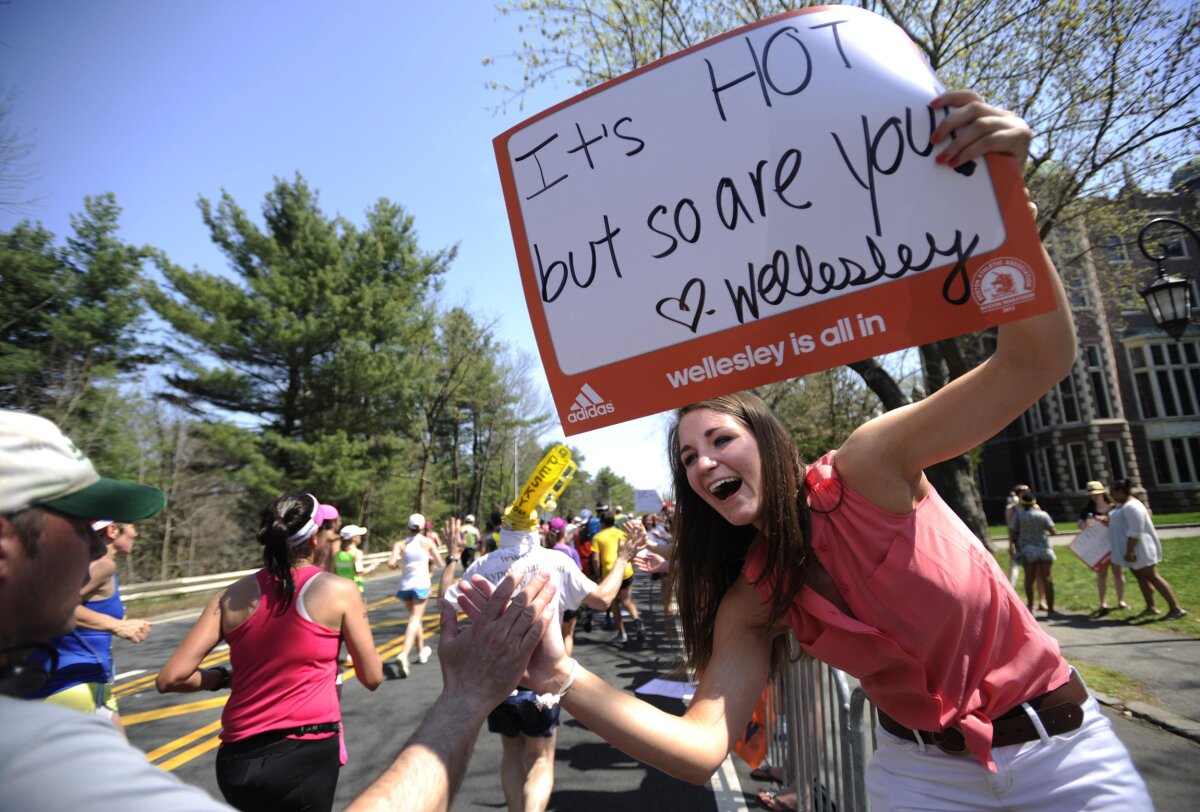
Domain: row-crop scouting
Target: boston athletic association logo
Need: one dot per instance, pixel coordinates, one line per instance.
(1003, 284)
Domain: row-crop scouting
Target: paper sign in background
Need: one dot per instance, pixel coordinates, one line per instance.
(761, 206)
(1092, 546)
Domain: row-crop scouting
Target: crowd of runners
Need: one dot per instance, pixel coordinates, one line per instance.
(282, 741)
(854, 555)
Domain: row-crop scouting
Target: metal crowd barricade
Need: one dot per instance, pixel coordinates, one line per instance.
(817, 732)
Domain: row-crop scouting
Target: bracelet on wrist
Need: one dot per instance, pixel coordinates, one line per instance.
(552, 698)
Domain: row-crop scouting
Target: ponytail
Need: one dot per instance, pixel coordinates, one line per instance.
(285, 522)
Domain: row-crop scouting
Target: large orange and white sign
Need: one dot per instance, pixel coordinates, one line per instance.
(758, 207)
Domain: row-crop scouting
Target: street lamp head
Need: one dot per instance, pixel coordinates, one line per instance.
(1168, 297)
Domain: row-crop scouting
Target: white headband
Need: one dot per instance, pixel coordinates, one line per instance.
(309, 527)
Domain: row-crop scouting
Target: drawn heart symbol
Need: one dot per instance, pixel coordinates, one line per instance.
(681, 304)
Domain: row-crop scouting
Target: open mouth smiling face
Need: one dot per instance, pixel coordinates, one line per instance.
(725, 488)
(722, 462)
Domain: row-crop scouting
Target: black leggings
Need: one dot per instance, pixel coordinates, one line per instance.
(279, 774)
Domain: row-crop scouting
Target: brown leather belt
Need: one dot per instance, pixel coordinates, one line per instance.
(1060, 711)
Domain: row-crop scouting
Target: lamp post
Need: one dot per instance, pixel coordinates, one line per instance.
(1168, 298)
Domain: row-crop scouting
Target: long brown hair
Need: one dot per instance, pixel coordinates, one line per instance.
(710, 552)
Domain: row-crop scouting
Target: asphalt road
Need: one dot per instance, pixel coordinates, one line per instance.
(178, 731)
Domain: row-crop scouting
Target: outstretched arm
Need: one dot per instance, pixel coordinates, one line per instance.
(480, 666)
(884, 458)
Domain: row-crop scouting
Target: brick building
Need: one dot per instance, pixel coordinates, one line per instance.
(1131, 406)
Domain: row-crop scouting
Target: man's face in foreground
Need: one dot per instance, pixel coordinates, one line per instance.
(39, 592)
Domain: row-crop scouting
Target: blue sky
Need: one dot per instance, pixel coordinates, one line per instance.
(161, 102)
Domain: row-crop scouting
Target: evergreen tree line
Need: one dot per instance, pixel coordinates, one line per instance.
(320, 359)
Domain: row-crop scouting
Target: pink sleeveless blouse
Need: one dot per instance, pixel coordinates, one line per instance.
(939, 637)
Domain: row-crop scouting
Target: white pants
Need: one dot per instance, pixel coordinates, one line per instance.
(1086, 769)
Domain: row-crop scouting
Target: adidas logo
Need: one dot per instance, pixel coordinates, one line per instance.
(588, 404)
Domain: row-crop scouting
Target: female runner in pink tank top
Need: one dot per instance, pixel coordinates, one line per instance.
(284, 625)
(858, 558)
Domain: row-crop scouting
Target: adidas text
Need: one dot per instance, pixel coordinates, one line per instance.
(577, 415)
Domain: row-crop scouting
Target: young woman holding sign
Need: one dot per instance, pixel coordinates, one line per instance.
(859, 558)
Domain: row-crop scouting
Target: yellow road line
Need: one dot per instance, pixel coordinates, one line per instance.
(174, 710)
(171, 747)
(191, 753)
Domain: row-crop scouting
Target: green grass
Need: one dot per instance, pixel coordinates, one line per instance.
(1065, 526)
(1114, 683)
(1075, 586)
(1177, 518)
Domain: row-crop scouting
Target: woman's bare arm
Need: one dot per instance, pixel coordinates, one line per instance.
(884, 458)
(182, 672)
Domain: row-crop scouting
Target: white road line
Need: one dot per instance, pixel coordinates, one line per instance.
(129, 674)
(727, 790)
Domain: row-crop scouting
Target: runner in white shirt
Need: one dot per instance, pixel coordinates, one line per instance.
(415, 554)
(529, 726)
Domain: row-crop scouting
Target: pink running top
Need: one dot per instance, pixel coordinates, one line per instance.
(284, 667)
(939, 637)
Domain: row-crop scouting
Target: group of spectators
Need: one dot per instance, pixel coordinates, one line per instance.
(1131, 535)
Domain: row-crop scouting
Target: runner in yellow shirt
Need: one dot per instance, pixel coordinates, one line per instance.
(604, 554)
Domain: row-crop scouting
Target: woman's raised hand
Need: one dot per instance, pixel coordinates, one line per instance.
(974, 127)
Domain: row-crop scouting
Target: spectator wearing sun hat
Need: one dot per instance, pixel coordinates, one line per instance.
(1095, 511)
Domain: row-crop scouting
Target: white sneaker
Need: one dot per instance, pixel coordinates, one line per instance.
(620, 638)
(403, 661)
(423, 657)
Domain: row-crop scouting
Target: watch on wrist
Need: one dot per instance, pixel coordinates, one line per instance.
(226, 679)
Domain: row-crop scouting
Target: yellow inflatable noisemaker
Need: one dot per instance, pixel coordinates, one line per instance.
(549, 479)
